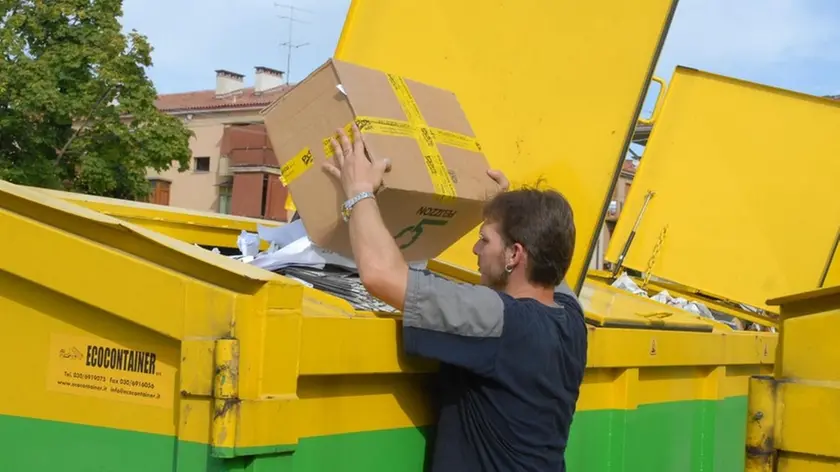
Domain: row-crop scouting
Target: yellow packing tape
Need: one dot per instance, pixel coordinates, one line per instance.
(385, 126)
(290, 204)
(455, 140)
(428, 139)
(296, 166)
(441, 179)
(409, 106)
(388, 127)
(328, 150)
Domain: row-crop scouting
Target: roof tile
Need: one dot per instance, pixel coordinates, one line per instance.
(207, 100)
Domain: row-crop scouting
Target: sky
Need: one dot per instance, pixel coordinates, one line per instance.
(794, 44)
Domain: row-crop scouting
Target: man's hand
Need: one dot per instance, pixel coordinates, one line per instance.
(351, 166)
(500, 179)
(382, 268)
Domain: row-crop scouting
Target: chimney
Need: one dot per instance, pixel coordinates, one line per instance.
(267, 78)
(228, 82)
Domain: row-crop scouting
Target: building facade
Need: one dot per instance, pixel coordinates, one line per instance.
(233, 169)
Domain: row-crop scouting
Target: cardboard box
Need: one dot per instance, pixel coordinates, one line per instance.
(438, 183)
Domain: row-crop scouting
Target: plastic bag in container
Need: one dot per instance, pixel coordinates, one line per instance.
(624, 282)
(248, 243)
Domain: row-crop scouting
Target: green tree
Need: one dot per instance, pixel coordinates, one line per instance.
(76, 106)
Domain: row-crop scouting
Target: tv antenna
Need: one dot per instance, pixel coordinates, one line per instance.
(290, 44)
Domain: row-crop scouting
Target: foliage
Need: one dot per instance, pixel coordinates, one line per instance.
(76, 106)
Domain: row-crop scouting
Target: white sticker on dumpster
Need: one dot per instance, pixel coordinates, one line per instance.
(96, 367)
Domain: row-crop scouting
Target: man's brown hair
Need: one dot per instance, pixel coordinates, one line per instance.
(541, 221)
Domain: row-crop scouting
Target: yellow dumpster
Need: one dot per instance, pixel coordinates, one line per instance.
(189, 361)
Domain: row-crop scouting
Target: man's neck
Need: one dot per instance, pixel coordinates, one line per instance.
(543, 295)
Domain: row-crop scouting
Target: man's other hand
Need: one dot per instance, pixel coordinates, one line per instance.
(500, 179)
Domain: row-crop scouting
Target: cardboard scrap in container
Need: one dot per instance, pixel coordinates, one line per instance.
(438, 183)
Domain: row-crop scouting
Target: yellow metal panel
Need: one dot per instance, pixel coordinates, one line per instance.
(331, 404)
(85, 238)
(338, 404)
(328, 347)
(805, 303)
(226, 397)
(268, 425)
(609, 306)
(723, 306)
(196, 227)
(89, 291)
(761, 420)
(22, 242)
(799, 463)
(801, 349)
(625, 347)
(99, 228)
(832, 277)
(677, 383)
(194, 419)
(745, 180)
(537, 80)
(808, 419)
(735, 381)
(34, 319)
(794, 414)
(596, 277)
(792, 425)
(332, 345)
(197, 358)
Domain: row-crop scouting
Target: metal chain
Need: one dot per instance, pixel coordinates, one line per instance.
(652, 260)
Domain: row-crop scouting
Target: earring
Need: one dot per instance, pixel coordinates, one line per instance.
(508, 268)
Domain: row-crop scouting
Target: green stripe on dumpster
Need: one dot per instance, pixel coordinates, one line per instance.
(689, 436)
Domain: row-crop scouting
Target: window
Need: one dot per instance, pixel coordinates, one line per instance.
(225, 195)
(201, 164)
(264, 196)
(159, 192)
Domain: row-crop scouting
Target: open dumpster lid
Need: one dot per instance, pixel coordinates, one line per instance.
(745, 180)
(197, 227)
(612, 307)
(551, 88)
(40, 205)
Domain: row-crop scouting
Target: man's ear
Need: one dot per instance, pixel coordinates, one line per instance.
(517, 255)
